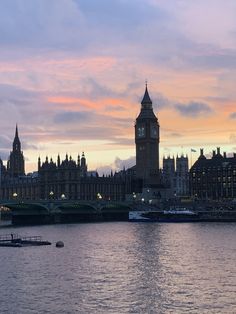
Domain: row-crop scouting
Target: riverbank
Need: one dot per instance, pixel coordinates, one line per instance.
(85, 217)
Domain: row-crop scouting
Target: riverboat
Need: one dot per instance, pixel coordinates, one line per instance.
(170, 215)
(14, 240)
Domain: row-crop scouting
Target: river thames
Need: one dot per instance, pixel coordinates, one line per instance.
(122, 268)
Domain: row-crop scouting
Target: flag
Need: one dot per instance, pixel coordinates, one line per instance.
(193, 150)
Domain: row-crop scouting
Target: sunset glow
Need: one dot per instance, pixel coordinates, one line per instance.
(73, 79)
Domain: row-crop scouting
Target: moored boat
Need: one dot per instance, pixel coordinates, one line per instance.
(171, 215)
(14, 240)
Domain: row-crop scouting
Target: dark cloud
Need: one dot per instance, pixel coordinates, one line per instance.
(95, 119)
(219, 59)
(232, 115)
(93, 89)
(39, 23)
(160, 102)
(193, 109)
(139, 30)
(121, 15)
(74, 117)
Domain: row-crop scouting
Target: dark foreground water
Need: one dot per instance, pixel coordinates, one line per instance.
(122, 268)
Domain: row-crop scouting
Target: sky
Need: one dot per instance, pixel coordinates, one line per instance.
(73, 72)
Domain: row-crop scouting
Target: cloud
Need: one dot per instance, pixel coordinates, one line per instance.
(125, 163)
(74, 70)
(38, 24)
(118, 165)
(5, 142)
(4, 154)
(73, 117)
(30, 146)
(122, 141)
(114, 108)
(175, 134)
(193, 109)
(232, 115)
(160, 102)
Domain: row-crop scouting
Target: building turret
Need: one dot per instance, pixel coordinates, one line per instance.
(39, 163)
(78, 160)
(83, 166)
(16, 163)
(58, 160)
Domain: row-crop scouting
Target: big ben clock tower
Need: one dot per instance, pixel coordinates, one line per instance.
(147, 143)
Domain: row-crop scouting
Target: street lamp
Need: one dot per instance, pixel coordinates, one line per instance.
(63, 196)
(99, 196)
(51, 193)
(14, 195)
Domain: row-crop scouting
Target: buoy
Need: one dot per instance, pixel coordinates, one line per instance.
(59, 244)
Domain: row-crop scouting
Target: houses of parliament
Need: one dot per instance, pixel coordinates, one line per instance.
(213, 178)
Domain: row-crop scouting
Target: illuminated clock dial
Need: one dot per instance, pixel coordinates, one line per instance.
(141, 131)
(153, 131)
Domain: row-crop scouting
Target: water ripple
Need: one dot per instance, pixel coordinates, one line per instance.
(122, 268)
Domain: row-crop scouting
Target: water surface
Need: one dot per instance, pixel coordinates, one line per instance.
(122, 268)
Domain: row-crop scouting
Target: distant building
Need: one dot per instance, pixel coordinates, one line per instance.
(182, 176)
(168, 173)
(176, 175)
(213, 178)
(71, 180)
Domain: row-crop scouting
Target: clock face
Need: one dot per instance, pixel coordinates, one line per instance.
(141, 131)
(153, 131)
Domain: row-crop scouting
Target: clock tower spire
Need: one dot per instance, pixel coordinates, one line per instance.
(147, 143)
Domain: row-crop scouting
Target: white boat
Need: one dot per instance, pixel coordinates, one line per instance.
(171, 215)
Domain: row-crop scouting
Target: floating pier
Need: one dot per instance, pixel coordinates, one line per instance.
(15, 240)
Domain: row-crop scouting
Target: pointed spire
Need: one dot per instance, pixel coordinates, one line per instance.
(146, 98)
(39, 163)
(58, 160)
(16, 142)
(16, 133)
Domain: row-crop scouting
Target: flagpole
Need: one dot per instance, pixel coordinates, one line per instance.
(191, 157)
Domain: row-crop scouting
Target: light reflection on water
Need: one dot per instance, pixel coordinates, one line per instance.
(122, 268)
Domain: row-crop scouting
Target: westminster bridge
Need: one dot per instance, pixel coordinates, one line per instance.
(65, 211)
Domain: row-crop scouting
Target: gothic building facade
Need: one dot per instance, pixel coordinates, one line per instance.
(213, 178)
(71, 179)
(175, 175)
